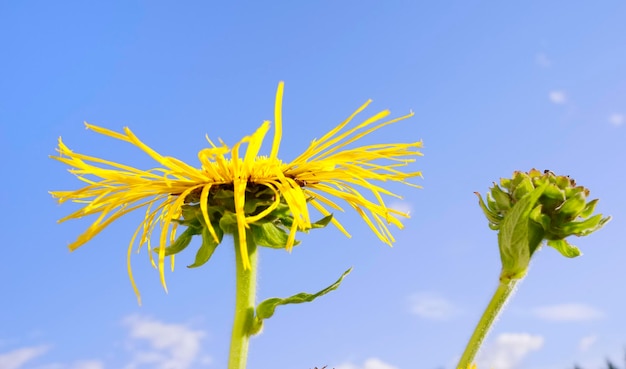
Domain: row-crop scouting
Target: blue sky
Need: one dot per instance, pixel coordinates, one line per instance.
(495, 87)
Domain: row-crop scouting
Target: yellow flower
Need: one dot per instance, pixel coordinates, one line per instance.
(325, 168)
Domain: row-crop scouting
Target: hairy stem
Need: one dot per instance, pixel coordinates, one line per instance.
(499, 299)
(244, 306)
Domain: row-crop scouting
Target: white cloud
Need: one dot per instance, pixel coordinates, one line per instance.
(586, 342)
(508, 350)
(371, 363)
(567, 312)
(542, 60)
(429, 306)
(557, 97)
(171, 346)
(617, 119)
(16, 358)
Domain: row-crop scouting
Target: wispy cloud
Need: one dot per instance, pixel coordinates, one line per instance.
(17, 358)
(170, 346)
(542, 60)
(557, 97)
(509, 350)
(567, 312)
(371, 363)
(431, 306)
(586, 342)
(89, 364)
(151, 343)
(617, 119)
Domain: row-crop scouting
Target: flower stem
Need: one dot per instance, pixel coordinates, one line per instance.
(502, 294)
(244, 306)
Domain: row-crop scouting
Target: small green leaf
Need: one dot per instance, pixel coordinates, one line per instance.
(515, 236)
(565, 248)
(208, 246)
(265, 309)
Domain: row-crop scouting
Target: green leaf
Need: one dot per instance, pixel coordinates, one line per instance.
(565, 248)
(265, 309)
(208, 246)
(515, 235)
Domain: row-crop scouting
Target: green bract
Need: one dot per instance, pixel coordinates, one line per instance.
(532, 207)
(270, 231)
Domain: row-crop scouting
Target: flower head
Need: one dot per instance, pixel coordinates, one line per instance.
(535, 206)
(236, 192)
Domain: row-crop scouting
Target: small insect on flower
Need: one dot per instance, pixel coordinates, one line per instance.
(243, 194)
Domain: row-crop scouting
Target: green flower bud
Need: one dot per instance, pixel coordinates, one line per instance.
(532, 207)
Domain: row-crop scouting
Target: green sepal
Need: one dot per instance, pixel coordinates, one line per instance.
(190, 215)
(552, 197)
(493, 218)
(491, 202)
(322, 222)
(538, 217)
(182, 241)
(493, 227)
(584, 227)
(515, 236)
(503, 201)
(563, 182)
(573, 206)
(524, 187)
(266, 309)
(506, 183)
(208, 246)
(250, 207)
(228, 222)
(565, 248)
(270, 235)
(589, 209)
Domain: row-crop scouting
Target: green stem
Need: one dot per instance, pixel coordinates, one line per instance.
(502, 294)
(244, 306)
